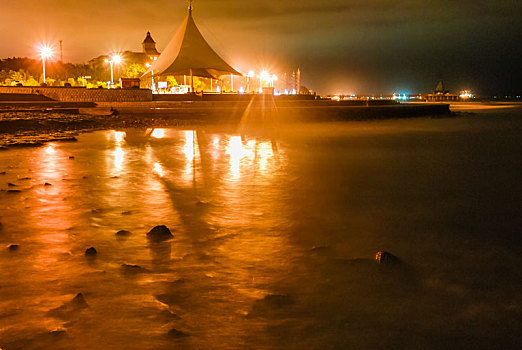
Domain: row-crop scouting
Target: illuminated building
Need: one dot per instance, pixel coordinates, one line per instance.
(147, 55)
(440, 94)
(149, 46)
(189, 54)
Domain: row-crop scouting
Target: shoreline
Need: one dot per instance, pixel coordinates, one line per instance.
(26, 124)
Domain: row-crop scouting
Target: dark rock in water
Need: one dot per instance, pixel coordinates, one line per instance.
(65, 139)
(386, 258)
(10, 184)
(47, 184)
(128, 268)
(13, 191)
(91, 251)
(174, 333)
(71, 157)
(168, 316)
(123, 233)
(25, 178)
(270, 304)
(128, 212)
(277, 300)
(27, 144)
(57, 333)
(79, 301)
(13, 247)
(321, 250)
(71, 307)
(159, 233)
(3, 173)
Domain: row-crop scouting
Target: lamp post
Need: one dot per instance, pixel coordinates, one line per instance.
(250, 74)
(45, 52)
(274, 78)
(263, 76)
(151, 66)
(113, 59)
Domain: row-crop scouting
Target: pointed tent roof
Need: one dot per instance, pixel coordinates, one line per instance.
(187, 51)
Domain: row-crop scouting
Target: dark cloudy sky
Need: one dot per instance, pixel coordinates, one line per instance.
(377, 46)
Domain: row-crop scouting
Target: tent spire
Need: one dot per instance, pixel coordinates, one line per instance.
(189, 51)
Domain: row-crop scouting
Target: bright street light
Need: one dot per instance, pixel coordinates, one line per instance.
(45, 52)
(113, 59)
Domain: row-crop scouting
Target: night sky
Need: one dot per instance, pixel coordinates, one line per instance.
(341, 46)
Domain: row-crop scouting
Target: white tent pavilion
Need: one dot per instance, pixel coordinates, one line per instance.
(188, 53)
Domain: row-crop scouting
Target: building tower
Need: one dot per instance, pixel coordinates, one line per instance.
(149, 46)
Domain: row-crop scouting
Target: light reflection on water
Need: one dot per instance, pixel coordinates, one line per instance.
(246, 212)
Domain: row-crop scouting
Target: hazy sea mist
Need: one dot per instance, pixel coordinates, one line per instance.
(275, 234)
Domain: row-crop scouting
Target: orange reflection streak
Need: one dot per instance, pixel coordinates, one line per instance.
(215, 147)
(190, 149)
(264, 153)
(158, 133)
(158, 203)
(51, 214)
(158, 169)
(119, 136)
(237, 152)
(49, 149)
(48, 162)
(117, 156)
(248, 204)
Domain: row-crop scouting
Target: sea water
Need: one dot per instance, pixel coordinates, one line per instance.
(275, 233)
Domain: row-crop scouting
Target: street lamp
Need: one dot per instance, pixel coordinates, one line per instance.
(274, 78)
(150, 65)
(113, 59)
(263, 77)
(45, 52)
(250, 74)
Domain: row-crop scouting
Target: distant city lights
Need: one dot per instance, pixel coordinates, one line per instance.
(466, 94)
(401, 97)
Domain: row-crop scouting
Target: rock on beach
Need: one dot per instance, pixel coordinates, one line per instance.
(386, 258)
(159, 233)
(91, 252)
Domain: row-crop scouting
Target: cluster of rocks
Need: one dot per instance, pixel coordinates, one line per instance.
(33, 128)
(159, 233)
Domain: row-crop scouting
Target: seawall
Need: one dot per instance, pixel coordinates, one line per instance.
(75, 94)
